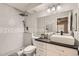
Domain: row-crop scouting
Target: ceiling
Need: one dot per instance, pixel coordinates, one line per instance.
(40, 7)
(31, 7)
(24, 6)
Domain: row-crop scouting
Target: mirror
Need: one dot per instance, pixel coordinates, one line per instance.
(62, 25)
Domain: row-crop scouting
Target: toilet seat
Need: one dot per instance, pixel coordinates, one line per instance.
(29, 49)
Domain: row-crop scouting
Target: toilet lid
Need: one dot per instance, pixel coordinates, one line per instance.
(30, 48)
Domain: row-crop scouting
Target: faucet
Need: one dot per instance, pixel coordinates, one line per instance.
(61, 32)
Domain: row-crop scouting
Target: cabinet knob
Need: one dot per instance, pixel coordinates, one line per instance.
(62, 50)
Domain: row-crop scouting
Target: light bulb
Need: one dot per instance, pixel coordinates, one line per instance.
(53, 9)
(48, 10)
(58, 7)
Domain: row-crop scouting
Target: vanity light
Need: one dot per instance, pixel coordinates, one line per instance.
(48, 10)
(53, 9)
(58, 7)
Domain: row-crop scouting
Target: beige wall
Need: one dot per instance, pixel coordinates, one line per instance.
(11, 29)
(52, 21)
(31, 23)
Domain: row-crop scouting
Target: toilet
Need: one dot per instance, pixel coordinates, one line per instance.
(29, 47)
(29, 50)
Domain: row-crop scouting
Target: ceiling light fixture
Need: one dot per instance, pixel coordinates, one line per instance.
(58, 7)
(53, 9)
(48, 10)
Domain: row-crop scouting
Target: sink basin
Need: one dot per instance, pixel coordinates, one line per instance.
(63, 39)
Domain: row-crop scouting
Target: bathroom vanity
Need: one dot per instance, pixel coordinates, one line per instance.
(46, 47)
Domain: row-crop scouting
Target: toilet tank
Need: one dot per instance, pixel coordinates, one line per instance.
(27, 39)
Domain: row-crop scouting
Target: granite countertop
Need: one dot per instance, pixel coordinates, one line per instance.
(57, 43)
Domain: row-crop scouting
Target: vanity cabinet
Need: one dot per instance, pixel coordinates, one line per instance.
(55, 50)
(41, 48)
(46, 49)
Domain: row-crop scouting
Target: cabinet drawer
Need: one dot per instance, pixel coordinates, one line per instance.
(41, 52)
(51, 46)
(69, 52)
(59, 50)
(66, 51)
(53, 53)
(41, 45)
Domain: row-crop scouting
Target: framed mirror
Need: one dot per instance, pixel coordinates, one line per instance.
(62, 25)
(75, 21)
